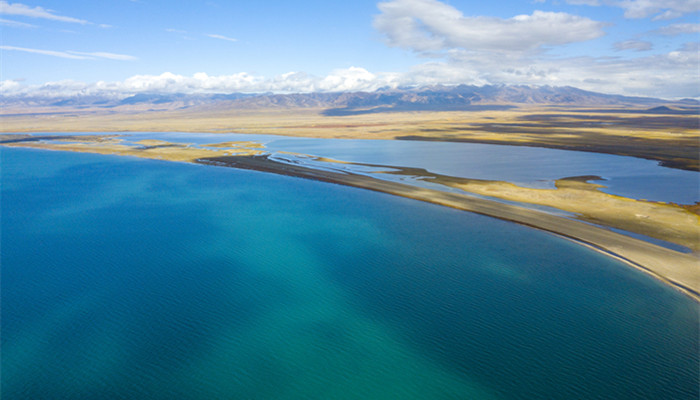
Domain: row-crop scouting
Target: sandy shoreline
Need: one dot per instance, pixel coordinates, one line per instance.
(679, 270)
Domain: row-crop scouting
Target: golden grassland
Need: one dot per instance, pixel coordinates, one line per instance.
(678, 269)
(148, 148)
(675, 223)
(670, 222)
(672, 139)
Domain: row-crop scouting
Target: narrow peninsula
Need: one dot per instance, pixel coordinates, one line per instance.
(678, 224)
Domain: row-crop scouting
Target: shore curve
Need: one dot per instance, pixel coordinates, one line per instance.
(679, 270)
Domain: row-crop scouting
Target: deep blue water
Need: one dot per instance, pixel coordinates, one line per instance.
(130, 278)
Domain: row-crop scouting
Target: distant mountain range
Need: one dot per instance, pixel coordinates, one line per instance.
(433, 98)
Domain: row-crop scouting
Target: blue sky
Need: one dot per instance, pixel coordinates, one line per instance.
(119, 47)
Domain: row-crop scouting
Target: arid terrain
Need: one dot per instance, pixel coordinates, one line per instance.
(679, 224)
(668, 132)
(663, 131)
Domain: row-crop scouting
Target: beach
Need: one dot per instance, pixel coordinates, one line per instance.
(680, 226)
(677, 269)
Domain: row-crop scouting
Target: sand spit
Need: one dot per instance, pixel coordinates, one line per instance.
(664, 221)
(680, 270)
(677, 269)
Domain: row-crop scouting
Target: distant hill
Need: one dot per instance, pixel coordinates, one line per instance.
(433, 98)
(669, 110)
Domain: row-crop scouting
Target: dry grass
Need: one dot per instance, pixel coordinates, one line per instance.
(152, 149)
(671, 139)
(670, 222)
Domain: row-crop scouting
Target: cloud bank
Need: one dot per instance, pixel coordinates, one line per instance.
(671, 75)
(430, 25)
(519, 50)
(454, 48)
(350, 79)
(657, 9)
(679, 29)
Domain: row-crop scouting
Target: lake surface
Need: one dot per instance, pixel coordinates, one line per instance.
(529, 166)
(132, 278)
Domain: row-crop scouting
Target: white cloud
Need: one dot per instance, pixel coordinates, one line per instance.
(470, 50)
(102, 54)
(76, 55)
(222, 37)
(659, 9)
(36, 12)
(584, 2)
(668, 75)
(200, 82)
(350, 79)
(10, 86)
(482, 50)
(662, 9)
(430, 25)
(679, 29)
(666, 15)
(61, 54)
(15, 24)
(637, 45)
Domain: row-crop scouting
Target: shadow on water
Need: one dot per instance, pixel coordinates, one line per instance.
(348, 111)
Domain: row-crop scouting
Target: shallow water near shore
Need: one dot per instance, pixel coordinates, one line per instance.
(528, 166)
(132, 278)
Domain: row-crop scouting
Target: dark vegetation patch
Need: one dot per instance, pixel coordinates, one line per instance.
(347, 111)
(578, 120)
(680, 154)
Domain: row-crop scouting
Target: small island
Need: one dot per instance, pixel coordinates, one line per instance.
(592, 211)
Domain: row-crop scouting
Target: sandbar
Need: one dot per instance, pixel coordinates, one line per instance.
(670, 222)
(680, 270)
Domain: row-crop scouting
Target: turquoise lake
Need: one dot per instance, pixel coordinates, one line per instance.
(129, 278)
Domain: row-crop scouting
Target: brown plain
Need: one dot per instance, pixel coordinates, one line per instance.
(673, 140)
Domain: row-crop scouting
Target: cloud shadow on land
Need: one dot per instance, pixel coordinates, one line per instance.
(348, 111)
